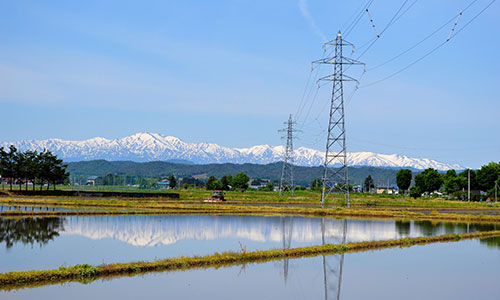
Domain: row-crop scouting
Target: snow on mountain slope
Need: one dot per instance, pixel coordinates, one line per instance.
(153, 146)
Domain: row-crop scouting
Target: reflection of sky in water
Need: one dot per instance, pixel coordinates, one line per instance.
(462, 270)
(106, 239)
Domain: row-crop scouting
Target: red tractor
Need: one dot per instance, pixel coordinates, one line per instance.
(217, 196)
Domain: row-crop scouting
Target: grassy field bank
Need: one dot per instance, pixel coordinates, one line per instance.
(305, 197)
(127, 207)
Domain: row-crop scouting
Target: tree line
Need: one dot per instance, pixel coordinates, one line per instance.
(483, 182)
(31, 166)
(228, 182)
(454, 184)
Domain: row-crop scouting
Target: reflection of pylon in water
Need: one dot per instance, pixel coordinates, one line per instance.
(287, 241)
(333, 265)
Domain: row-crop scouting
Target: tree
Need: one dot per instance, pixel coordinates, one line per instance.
(452, 183)
(368, 184)
(172, 181)
(226, 182)
(270, 186)
(108, 179)
(45, 166)
(8, 163)
(487, 175)
(113, 179)
(240, 181)
(52, 168)
(256, 182)
(316, 184)
(20, 170)
(59, 174)
(403, 179)
(142, 183)
(213, 183)
(340, 187)
(33, 167)
(428, 181)
(473, 182)
(3, 164)
(415, 192)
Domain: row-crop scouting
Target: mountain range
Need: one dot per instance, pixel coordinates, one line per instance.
(142, 147)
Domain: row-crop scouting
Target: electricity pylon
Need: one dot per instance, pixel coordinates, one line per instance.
(287, 181)
(336, 180)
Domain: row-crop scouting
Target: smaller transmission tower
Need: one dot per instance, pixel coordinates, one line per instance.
(287, 181)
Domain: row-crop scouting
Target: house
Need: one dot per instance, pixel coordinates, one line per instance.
(91, 180)
(390, 190)
(357, 189)
(258, 183)
(163, 184)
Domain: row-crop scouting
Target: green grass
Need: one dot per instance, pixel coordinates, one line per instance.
(305, 197)
(85, 273)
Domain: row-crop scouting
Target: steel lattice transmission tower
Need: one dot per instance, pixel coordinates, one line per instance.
(336, 180)
(287, 179)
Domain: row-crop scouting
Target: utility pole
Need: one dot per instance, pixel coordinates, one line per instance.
(336, 151)
(468, 185)
(287, 181)
(496, 191)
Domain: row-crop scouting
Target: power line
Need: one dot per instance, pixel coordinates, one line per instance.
(391, 22)
(412, 47)
(355, 22)
(304, 93)
(432, 51)
(355, 14)
(309, 89)
(423, 40)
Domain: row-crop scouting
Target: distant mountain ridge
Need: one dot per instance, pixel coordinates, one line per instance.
(142, 147)
(303, 175)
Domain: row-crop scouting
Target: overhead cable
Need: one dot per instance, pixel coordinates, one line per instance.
(431, 51)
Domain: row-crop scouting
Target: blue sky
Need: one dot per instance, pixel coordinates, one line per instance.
(230, 72)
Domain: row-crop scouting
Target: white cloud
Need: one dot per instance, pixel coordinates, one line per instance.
(304, 10)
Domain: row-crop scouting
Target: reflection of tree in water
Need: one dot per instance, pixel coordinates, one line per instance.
(403, 227)
(29, 230)
(429, 228)
(491, 242)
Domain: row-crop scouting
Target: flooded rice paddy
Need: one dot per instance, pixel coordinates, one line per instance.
(463, 270)
(46, 243)
(25, 208)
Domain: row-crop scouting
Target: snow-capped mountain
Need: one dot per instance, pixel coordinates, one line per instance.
(153, 147)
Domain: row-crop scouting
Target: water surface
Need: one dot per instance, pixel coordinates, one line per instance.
(44, 243)
(462, 270)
